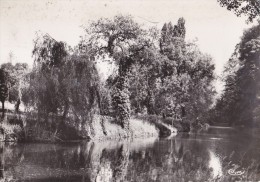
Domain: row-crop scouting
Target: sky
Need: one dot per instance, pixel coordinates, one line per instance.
(216, 29)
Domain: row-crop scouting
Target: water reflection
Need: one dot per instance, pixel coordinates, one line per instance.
(1, 161)
(215, 164)
(186, 157)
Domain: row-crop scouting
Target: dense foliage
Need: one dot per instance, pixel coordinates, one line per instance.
(12, 83)
(123, 41)
(174, 80)
(3, 89)
(157, 74)
(62, 85)
(239, 104)
(249, 8)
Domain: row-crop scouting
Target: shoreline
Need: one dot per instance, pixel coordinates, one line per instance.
(103, 129)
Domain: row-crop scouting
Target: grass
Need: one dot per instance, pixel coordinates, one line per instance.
(106, 128)
(166, 126)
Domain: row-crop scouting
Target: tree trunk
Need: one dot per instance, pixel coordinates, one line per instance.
(17, 105)
(150, 102)
(64, 115)
(3, 109)
(65, 112)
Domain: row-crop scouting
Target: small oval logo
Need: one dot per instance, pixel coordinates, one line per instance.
(235, 172)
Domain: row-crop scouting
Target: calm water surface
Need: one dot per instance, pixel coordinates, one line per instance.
(214, 155)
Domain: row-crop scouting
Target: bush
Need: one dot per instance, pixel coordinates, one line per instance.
(11, 132)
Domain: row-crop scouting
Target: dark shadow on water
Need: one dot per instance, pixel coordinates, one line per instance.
(206, 156)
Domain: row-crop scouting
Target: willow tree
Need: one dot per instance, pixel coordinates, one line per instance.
(120, 39)
(49, 56)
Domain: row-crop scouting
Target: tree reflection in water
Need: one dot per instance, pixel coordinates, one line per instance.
(1, 160)
(183, 158)
(215, 164)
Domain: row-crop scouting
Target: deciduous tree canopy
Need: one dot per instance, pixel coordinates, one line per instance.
(239, 104)
(249, 8)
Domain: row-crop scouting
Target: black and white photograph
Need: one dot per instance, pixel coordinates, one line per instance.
(129, 90)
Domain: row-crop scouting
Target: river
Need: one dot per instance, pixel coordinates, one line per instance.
(218, 154)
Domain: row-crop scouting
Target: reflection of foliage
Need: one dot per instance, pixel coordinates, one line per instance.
(121, 164)
(167, 160)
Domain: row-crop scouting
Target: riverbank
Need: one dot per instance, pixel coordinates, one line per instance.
(101, 128)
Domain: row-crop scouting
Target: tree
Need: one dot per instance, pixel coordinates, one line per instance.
(43, 91)
(240, 99)
(21, 70)
(175, 81)
(250, 8)
(185, 69)
(49, 56)
(80, 89)
(16, 74)
(3, 89)
(63, 87)
(122, 40)
(48, 52)
(248, 76)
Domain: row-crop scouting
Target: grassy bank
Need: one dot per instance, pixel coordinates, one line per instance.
(27, 129)
(106, 128)
(166, 125)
